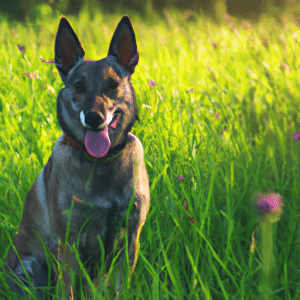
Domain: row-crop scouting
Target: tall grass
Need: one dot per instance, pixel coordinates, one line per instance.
(222, 114)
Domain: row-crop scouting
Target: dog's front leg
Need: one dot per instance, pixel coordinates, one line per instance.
(67, 265)
(133, 248)
(135, 223)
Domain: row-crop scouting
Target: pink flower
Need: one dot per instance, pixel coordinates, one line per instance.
(269, 205)
(190, 90)
(21, 48)
(32, 75)
(214, 45)
(151, 82)
(181, 178)
(296, 136)
(51, 61)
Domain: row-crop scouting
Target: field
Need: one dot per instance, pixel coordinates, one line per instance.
(218, 108)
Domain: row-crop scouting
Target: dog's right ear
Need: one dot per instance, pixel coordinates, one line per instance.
(68, 50)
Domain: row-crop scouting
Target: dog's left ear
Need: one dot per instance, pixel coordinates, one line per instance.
(123, 45)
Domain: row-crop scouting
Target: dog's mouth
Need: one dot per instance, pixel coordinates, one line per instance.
(97, 143)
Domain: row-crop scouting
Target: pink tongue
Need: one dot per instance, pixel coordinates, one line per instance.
(97, 143)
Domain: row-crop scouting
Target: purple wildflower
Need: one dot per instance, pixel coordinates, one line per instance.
(31, 75)
(190, 90)
(21, 48)
(151, 82)
(51, 61)
(269, 205)
(35, 74)
(296, 136)
(181, 178)
(214, 45)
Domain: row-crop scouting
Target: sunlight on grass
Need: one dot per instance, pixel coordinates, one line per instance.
(218, 106)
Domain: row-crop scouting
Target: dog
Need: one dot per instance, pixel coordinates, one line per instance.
(95, 183)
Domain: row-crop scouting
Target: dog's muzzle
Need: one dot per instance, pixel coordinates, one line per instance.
(93, 121)
(97, 140)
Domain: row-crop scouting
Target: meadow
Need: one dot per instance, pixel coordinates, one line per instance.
(218, 107)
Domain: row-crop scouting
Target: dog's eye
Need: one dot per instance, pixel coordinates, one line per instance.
(80, 86)
(113, 84)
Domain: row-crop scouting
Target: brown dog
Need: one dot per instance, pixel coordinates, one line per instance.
(96, 172)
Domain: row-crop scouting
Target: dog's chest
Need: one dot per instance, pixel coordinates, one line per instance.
(94, 212)
(95, 198)
(94, 192)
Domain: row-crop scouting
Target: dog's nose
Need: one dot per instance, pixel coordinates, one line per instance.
(93, 120)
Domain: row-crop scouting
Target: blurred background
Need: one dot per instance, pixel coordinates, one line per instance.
(245, 9)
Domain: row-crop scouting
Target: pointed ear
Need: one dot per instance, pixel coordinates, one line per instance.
(68, 50)
(123, 45)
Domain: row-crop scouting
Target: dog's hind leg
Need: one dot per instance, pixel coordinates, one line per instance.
(33, 270)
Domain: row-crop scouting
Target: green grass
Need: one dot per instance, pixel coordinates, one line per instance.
(231, 137)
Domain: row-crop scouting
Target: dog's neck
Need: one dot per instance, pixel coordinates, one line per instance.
(112, 153)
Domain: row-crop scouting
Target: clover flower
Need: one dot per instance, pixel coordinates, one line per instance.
(180, 178)
(296, 136)
(269, 205)
(151, 83)
(21, 48)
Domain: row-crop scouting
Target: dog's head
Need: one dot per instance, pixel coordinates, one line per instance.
(97, 106)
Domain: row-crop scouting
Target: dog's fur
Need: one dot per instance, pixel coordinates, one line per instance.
(80, 195)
